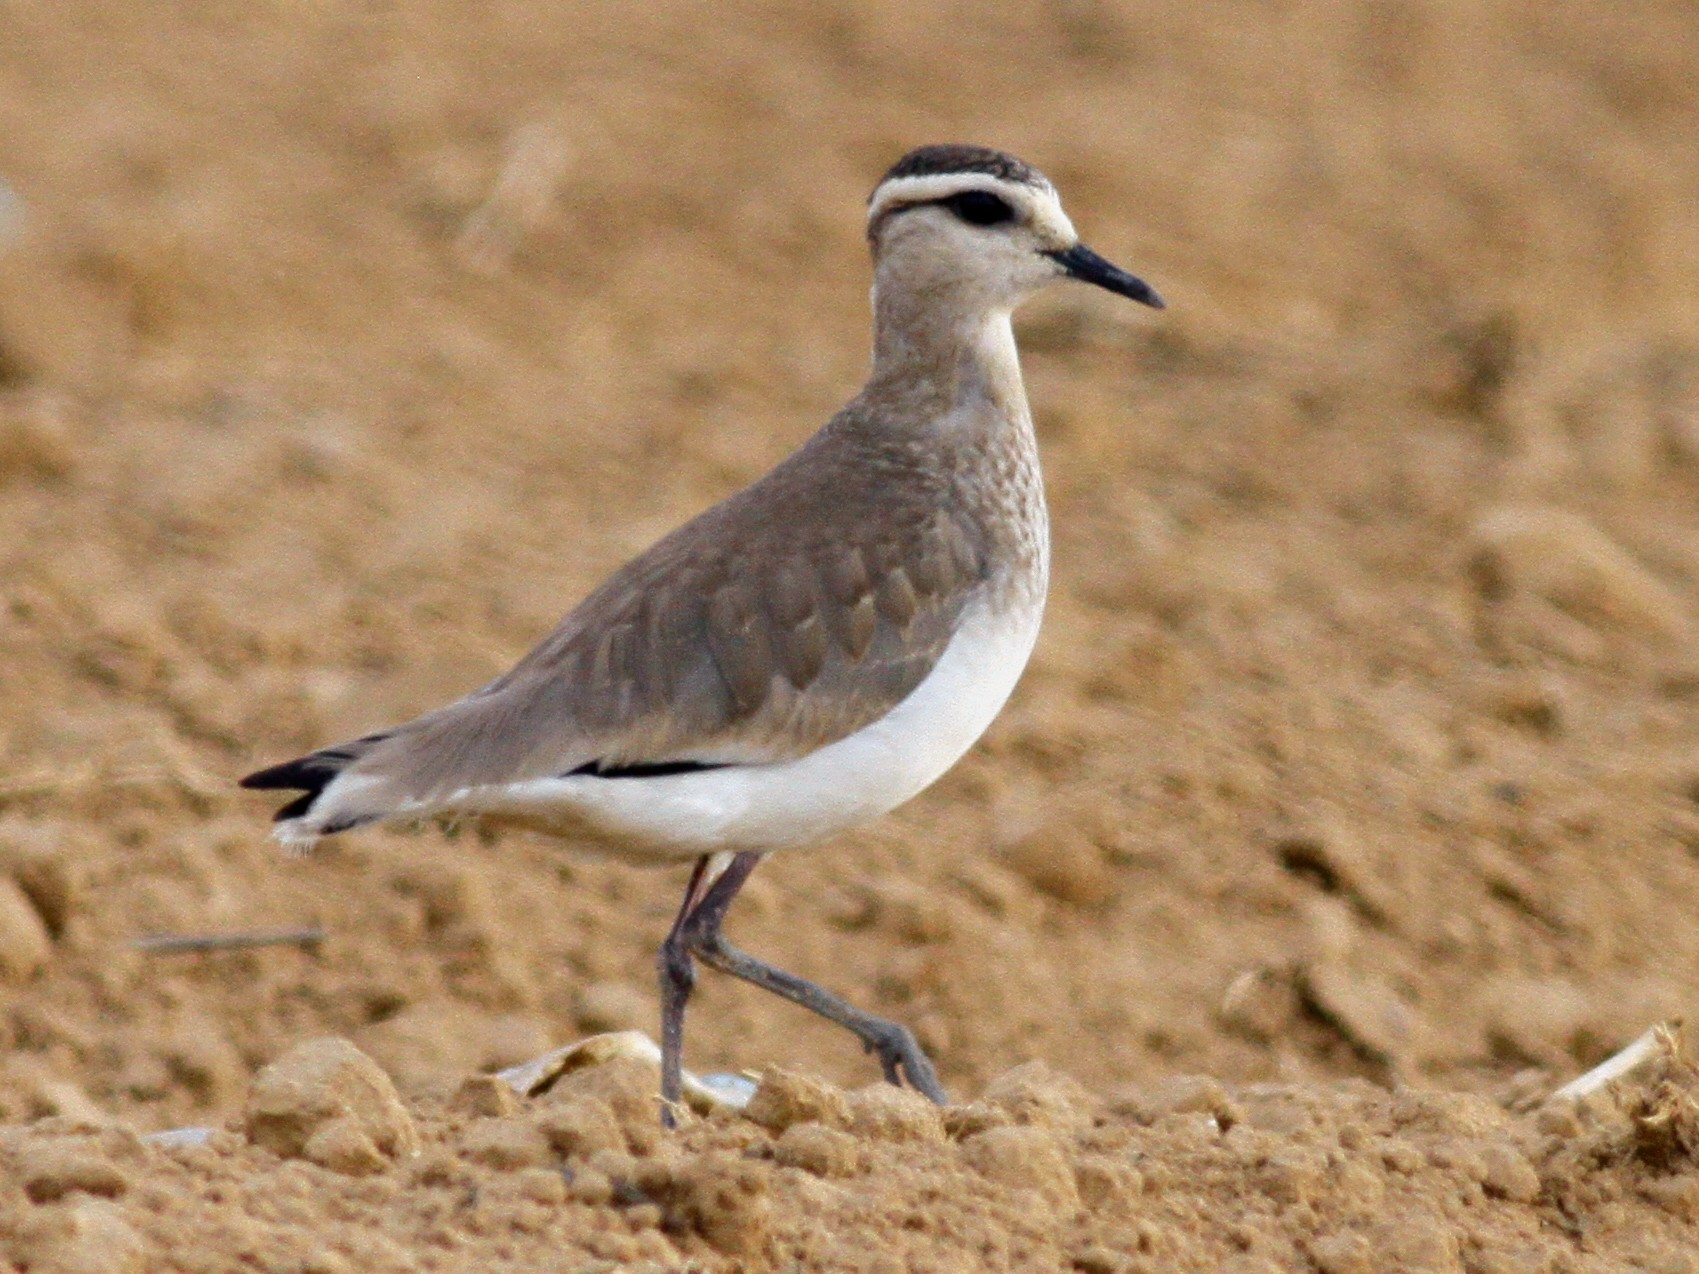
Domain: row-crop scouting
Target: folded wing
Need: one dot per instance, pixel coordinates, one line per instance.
(688, 657)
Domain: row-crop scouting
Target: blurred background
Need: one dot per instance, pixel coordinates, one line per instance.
(343, 347)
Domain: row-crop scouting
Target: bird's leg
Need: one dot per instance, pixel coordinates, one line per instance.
(699, 934)
(678, 977)
(898, 1051)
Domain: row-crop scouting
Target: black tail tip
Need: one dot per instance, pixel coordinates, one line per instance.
(310, 774)
(296, 808)
(306, 773)
(301, 776)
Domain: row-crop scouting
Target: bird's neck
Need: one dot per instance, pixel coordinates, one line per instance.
(940, 357)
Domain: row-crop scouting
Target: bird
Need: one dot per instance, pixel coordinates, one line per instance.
(809, 653)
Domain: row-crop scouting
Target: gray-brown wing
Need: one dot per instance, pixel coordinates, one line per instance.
(779, 621)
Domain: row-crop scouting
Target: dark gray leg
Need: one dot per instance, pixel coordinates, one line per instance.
(678, 978)
(697, 932)
(898, 1051)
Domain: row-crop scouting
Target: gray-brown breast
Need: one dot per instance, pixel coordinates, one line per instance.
(781, 620)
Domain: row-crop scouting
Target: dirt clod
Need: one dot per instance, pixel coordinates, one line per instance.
(84, 1236)
(1558, 555)
(722, 1197)
(1033, 1093)
(787, 1097)
(622, 1091)
(481, 1095)
(342, 1145)
(581, 1126)
(49, 1170)
(24, 940)
(328, 1096)
(887, 1113)
(824, 1151)
(508, 1144)
(1024, 1159)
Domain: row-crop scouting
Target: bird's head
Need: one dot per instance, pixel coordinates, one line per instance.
(974, 227)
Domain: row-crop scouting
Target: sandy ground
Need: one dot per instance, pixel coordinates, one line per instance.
(1351, 804)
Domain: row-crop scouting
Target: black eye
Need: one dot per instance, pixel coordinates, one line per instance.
(979, 208)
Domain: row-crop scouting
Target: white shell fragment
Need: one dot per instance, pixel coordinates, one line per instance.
(540, 1073)
(1662, 1039)
(173, 1138)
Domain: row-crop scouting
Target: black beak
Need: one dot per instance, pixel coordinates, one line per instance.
(1085, 265)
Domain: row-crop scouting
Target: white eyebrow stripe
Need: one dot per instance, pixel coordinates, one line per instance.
(906, 190)
(1041, 208)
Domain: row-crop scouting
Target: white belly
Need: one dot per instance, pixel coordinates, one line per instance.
(766, 807)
